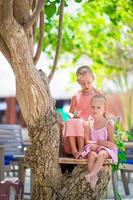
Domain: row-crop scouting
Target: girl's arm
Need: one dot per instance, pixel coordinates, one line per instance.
(92, 144)
(86, 132)
(72, 107)
(110, 142)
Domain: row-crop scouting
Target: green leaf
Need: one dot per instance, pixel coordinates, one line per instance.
(89, 1)
(50, 10)
(119, 196)
(73, 77)
(78, 1)
(65, 4)
(57, 1)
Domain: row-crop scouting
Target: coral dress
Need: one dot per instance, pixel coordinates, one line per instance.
(101, 135)
(74, 126)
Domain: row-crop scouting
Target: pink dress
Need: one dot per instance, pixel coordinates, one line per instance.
(74, 127)
(101, 135)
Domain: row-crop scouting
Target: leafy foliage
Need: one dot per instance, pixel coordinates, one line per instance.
(78, 1)
(100, 30)
(51, 8)
(121, 149)
(121, 136)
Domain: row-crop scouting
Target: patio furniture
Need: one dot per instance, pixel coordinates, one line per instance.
(127, 167)
(11, 144)
(12, 190)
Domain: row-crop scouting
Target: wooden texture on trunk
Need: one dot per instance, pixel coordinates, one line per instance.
(73, 186)
(42, 155)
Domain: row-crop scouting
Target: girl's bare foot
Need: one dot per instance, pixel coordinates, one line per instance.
(76, 154)
(87, 178)
(93, 182)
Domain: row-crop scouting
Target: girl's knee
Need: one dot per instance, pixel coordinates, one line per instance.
(103, 154)
(92, 155)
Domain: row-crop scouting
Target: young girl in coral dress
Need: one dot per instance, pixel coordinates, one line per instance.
(79, 112)
(99, 139)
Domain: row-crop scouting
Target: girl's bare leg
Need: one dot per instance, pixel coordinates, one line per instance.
(80, 143)
(101, 156)
(72, 142)
(92, 156)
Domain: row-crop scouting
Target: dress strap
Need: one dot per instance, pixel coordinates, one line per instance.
(90, 122)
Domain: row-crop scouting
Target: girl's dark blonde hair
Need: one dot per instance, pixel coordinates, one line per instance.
(103, 99)
(84, 70)
(99, 96)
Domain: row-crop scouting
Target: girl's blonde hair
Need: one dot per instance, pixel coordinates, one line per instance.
(102, 98)
(83, 70)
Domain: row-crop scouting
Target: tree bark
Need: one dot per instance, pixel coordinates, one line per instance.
(73, 187)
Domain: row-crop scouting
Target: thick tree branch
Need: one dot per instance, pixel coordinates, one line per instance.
(0, 8)
(30, 3)
(39, 47)
(34, 28)
(6, 16)
(59, 40)
(7, 10)
(21, 11)
(4, 49)
(34, 3)
(33, 18)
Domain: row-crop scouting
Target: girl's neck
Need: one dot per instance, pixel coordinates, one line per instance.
(98, 119)
(99, 122)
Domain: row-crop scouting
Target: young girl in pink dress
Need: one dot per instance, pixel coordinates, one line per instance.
(79, 112)
(99, 139)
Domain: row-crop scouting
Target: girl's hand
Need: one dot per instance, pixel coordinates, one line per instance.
(93, 147)
(75, 115)
(99, 143)
(91, 142)
(106, 144)
(70, 115)
(62, 125)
